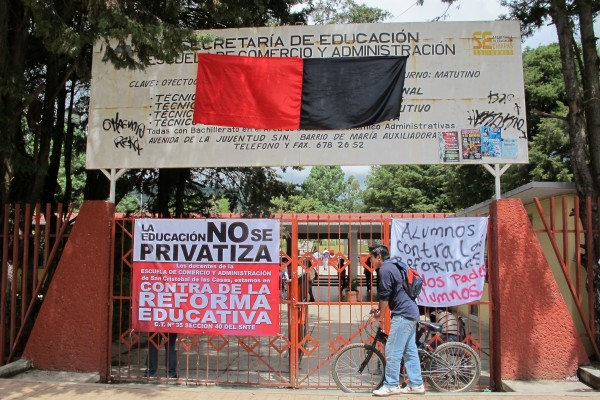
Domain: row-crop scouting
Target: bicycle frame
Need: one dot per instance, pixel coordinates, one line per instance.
(451, 366)
(424, 350)
(380, 337)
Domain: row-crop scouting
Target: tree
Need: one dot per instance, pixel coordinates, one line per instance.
(350, 199)
(546, 121)
(326, 185)
(50, 42)
(407, 188)
(298, 204)
(579, 64)
(343, 12)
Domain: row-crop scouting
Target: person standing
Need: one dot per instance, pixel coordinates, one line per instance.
(368, 274)
(401, 340)
(170, 358)
(313, 275)
(450, 325)
(325, 258)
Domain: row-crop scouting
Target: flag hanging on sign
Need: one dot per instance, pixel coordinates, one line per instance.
(294, 93)
(248, 92)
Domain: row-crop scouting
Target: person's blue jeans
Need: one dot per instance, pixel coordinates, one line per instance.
(171, 361)
(401, 341)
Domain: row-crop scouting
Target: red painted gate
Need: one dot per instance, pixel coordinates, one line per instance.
(312, 328)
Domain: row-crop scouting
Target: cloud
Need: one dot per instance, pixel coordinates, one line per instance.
(463, 10)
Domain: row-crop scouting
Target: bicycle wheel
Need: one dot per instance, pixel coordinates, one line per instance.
(346, 365)
(453, 367)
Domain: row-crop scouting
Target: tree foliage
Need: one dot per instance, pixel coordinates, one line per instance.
(47, 75)
(547, 127)
(343, 12)
(324, 183)
(325, 190)
(407, 188)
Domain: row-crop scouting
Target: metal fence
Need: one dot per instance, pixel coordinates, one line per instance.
(318, 315)
(32, 239)
(559, 227)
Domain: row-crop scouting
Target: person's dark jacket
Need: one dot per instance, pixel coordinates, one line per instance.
(390, 288)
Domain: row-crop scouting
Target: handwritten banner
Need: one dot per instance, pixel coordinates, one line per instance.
(449, 255)
(206, 276)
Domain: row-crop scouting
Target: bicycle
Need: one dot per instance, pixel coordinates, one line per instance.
(451, 367)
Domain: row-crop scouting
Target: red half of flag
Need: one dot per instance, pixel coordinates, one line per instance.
(295, 93)
(248, 92)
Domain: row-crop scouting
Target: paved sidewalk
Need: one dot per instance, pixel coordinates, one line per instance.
(74, 387)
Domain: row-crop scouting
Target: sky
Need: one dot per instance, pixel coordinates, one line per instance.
(408, 11)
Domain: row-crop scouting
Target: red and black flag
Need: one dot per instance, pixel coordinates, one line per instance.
(295, 93)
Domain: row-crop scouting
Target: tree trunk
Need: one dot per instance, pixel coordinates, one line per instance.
(583, 120)
(14, 29)
(182, 177)
(51, 180)
(97, 186)
(46, 131)
(591, 87)
(68, 150)
(591, 95)
(166, 179)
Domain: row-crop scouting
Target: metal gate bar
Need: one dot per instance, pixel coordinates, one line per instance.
(570, 230)
(32, 238)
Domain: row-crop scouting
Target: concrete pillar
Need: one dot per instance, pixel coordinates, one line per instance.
(534, 332)
(71, 331)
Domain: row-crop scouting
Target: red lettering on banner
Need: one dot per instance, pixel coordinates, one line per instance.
(464, 294)
(471, 276)
(436, 281)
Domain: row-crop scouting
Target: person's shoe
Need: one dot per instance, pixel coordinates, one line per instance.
(413, 389)
(173, 377)
(387, 391)
(149, 375)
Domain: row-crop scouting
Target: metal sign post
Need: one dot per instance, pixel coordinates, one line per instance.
(497, 172)
(112, 176)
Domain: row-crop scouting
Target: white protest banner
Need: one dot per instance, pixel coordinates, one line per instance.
(214, 276)
(449, 255)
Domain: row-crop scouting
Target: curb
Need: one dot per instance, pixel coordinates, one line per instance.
(15, 368)
(590, 376)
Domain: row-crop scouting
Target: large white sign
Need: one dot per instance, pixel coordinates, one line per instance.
(463, 102)
(449, 255)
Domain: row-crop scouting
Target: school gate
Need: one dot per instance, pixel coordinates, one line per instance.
(311, 332)
(85, 321)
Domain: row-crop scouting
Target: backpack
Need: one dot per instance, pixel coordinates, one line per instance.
(412, 283)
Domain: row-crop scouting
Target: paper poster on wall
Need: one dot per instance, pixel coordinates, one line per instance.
(491, 141)
(471, 144)
(214, 276)
(449, 151)
(449, 255)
